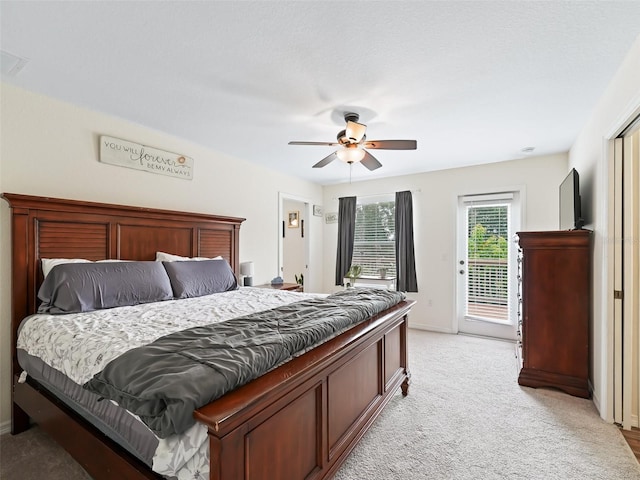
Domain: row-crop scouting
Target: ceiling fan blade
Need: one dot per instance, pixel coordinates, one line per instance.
(391, 144)
(329, 144)
(355, 131)
(370, 161)
(326, 160)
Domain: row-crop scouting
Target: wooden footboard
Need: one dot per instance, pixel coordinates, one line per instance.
(301, 420)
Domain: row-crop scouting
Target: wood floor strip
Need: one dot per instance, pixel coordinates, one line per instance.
(633, 439)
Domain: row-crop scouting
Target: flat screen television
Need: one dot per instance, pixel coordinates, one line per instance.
(570, 211)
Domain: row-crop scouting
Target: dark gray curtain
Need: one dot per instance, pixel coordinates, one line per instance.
(346, 232)
(406, 280)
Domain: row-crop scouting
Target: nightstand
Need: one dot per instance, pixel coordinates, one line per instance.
(291, 287)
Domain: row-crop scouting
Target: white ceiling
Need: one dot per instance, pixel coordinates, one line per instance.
(472, 82)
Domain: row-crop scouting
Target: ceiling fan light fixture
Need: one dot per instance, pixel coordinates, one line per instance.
(350, 154)
(351, 143)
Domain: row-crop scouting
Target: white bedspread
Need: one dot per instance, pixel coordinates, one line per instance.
(80, 345)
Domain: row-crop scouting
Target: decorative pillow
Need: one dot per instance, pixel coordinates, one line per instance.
(49, 263)
(169, 257)
(198, 278)
(87, 286)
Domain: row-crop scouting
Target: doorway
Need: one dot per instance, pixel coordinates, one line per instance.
(293, 238)
(487, 264)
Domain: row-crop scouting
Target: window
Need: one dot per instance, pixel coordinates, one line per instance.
(488, 284)
(374, 241)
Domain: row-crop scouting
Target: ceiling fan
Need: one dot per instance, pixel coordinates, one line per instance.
(353, 142)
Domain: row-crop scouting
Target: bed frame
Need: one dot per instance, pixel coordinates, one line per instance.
(299, 421)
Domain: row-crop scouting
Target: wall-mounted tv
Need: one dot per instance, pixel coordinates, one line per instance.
(570, 208)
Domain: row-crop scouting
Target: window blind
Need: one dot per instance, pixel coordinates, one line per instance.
(374, 240)
(487, 257)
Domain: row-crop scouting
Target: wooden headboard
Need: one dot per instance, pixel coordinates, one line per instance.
(57, 228)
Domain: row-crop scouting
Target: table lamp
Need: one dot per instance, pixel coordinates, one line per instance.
(246, 270)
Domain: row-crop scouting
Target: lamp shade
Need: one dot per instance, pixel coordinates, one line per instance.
(350, 154)
(246, 268)
(355, 131)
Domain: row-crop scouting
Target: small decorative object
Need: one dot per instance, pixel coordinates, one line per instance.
(294, 219)
(331, 217)
(246, 269)
(353, 273)
(277, 281)
(383, 272)
(300, 279)
(317, 210)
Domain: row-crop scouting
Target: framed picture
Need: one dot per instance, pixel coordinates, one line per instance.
(331, 217)
(317, 210)
(293, 219)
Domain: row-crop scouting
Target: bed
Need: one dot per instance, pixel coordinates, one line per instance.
(299, 420)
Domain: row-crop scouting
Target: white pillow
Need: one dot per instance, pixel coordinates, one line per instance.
(49, 263)
(169, 257)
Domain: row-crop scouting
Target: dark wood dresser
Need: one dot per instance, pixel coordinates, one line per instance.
(555, 310)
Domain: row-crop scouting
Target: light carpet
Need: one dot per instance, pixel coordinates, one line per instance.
(465, 418)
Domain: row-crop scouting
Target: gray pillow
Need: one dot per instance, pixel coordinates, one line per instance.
(83, 287)
(198, 278)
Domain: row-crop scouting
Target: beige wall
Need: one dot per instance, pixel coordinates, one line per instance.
(50, 148)
(435, 210)
(590, 156)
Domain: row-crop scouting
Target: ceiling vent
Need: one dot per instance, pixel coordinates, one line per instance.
(10, 64)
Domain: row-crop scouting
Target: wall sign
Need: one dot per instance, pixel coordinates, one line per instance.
(133, 155)
(331, 217)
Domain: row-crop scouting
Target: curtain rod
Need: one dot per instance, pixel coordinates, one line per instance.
(378, 194)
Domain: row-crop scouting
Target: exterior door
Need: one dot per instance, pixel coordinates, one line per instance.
(487, 264)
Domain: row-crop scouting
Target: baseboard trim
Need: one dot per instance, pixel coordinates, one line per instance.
(596, 402)
(508, 340)
(5, 427)
(431, 328)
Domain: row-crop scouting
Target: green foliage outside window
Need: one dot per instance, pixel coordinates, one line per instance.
(488, 231)
(485, 245)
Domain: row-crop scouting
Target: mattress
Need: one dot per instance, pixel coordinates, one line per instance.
(63, 352)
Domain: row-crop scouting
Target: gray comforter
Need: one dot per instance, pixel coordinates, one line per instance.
(165, 381)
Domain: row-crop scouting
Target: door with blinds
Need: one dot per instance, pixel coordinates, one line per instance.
(487, 264)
